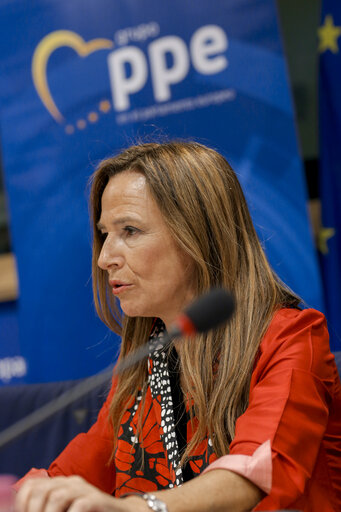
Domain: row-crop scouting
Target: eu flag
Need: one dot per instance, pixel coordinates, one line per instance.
(329, 35)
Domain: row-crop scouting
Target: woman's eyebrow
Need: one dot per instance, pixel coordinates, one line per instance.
(120, 220)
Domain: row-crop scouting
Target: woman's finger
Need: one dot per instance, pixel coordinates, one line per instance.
(53, 495)
(71, 494)
(61, 495)
(32, 495)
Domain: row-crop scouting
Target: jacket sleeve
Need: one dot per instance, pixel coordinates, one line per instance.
(290, 392)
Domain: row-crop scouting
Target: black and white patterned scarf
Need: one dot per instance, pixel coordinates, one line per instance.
(160, 385)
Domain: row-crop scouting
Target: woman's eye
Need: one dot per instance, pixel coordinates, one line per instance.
(130, 230)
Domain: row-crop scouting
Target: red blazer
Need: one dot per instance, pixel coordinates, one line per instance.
(295, 402)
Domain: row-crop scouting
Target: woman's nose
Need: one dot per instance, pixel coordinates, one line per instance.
(110, 254)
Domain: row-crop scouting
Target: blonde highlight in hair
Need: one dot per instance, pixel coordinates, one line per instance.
(203, 205)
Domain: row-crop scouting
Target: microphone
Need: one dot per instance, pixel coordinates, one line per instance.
(207, 312)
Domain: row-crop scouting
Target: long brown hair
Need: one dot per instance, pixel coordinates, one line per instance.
(204, 208)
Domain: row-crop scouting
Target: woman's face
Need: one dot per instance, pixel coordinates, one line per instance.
(147, 271)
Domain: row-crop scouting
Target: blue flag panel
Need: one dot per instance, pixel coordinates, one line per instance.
(78, 81)
(330, 164)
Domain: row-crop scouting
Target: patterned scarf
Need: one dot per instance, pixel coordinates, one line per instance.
(160, 449)
(160, 386)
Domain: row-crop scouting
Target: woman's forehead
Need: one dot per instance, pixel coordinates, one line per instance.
(127, 186)
(127, 182)
(128, 193)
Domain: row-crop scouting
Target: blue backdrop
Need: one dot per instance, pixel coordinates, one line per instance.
(81, 79)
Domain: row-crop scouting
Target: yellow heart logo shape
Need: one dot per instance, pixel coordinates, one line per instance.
(44, 50)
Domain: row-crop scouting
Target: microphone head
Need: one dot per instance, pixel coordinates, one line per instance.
(207, 312)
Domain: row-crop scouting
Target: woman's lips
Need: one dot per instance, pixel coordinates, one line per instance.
(119, 287)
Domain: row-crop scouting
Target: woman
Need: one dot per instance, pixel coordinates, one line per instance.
(251, 409)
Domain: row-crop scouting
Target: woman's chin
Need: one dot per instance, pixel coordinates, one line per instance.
(134, 312)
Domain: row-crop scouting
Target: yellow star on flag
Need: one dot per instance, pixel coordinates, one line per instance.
(328, 35)
(323, 237)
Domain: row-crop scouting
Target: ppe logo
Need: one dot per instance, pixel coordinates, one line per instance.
(11, 368)
(165, 63)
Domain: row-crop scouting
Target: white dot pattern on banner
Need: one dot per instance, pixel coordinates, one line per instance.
(160, 385)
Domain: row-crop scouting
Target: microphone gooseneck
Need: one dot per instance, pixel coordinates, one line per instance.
(207, 312)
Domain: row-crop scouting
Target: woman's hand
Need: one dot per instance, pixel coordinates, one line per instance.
(214, 491)
(73, 494)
